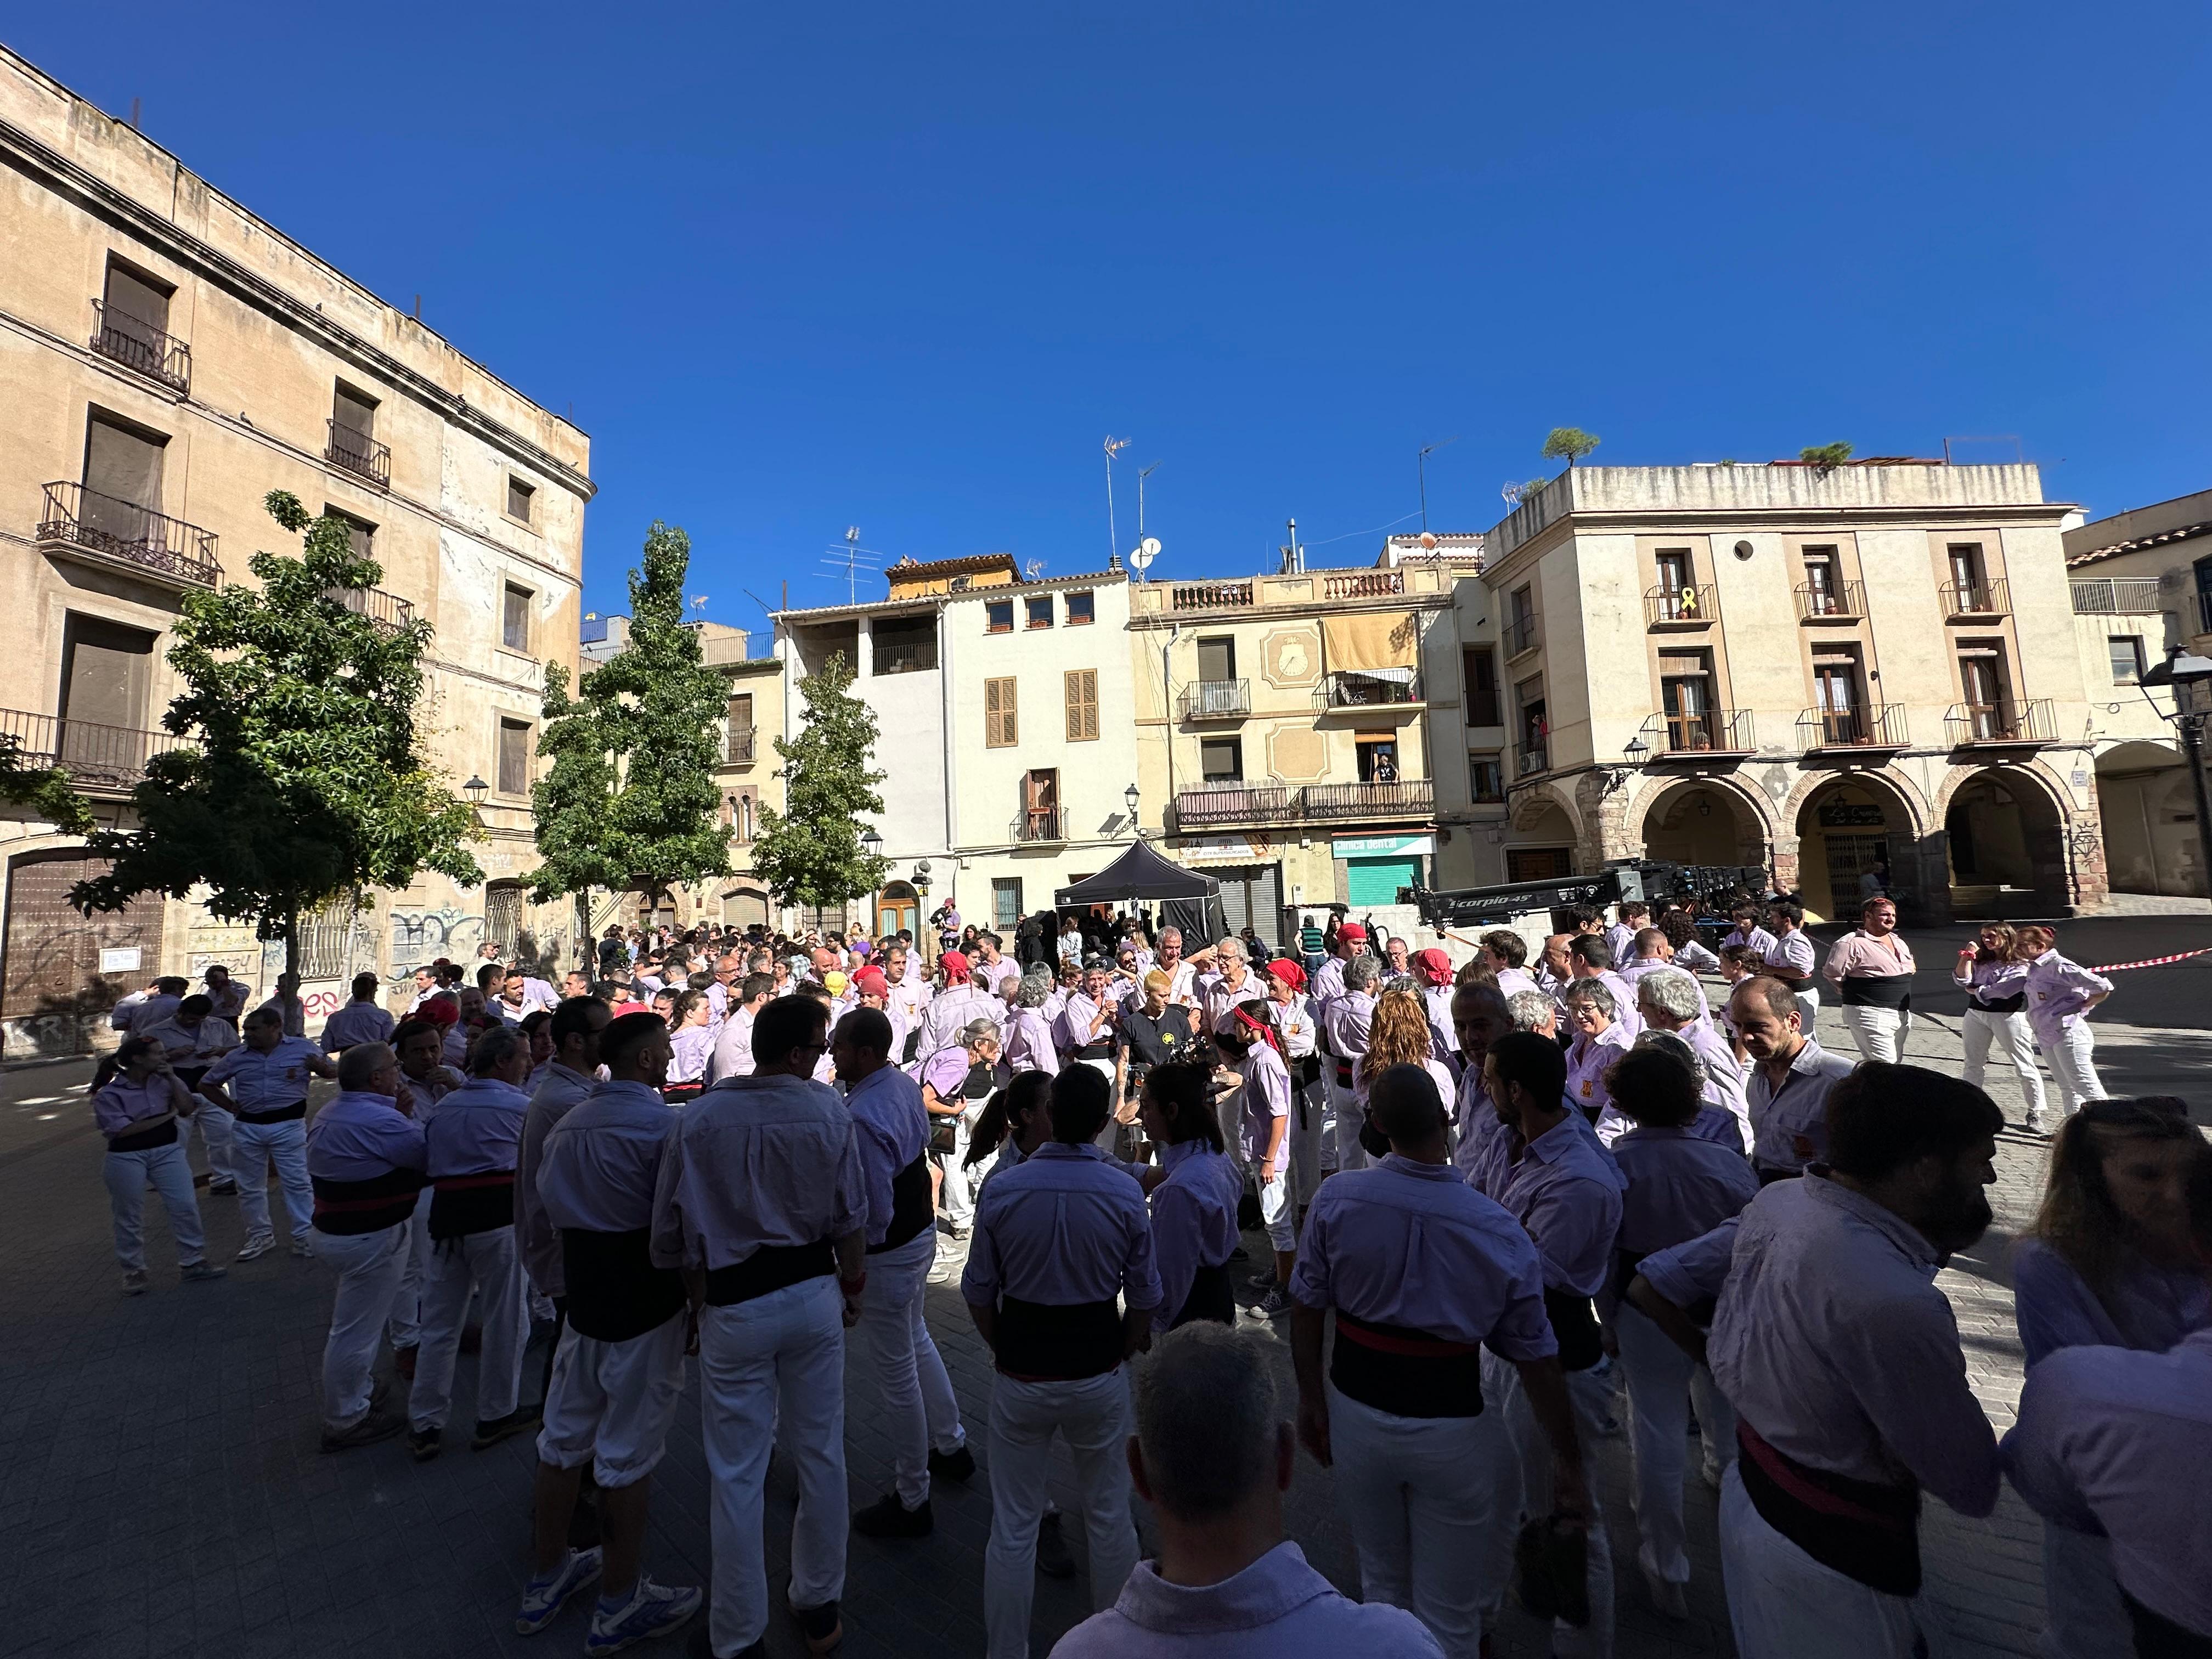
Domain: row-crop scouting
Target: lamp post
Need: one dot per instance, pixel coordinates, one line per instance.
(871, 842)
(2189, 676)
(476, 789)
(1130, 795)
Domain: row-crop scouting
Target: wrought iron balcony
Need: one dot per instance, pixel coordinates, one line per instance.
(2116, 596)
(904, 656)
(1364, 584)
(1981, 598)
(359, 454)
(1216, 805)
(1530, 758)
(138, 344)
(87, 524)
(1040, 823)
(1878, 726)
(1688, 606)
(2007, 723)
(1210, 596)
(1830, 602)
(1234, 802)
(385, 609)
(1215, 700)
(100, 759)
(1367, 800)
(1355, 690)
(738, 746)
(1522, 634)
(1707, 731)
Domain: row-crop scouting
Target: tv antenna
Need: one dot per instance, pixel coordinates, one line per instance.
(852, 559)
(1142, 555)
(1032, 570)
(698, 601)
(1421, 469)
(1114, 447)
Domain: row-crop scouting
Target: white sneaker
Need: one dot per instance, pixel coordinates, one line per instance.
(257, 1247)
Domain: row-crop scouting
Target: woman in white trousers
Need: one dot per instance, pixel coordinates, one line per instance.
(1995, 979)
(2061, 994)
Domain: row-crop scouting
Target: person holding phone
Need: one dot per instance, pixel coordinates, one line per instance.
(139, 1110)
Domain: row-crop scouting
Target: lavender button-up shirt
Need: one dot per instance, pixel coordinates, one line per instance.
(562, 1090)
(1789, 1124)
(1030, 1046)
(1410, 1244)
(260, 1082)
(1679, 1186)
(1691, 1274)
(1993, 982)
(359, 1136)
(765, 1159)
(1833, 1341)
(1267, 1097)
(1063, 1227)
(2145, 1306)
(123, 1106)
(1194, 1220)
(1350, 1016)
(690, 1050)
(476, 1129)
(2058, 993)
(886, 1108)
(1079, 1025)
(357, 1022)
(602, 1160)
(1565, 1189)
(1586, 1065)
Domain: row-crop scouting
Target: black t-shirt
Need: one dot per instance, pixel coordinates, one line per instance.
(1157, 1042)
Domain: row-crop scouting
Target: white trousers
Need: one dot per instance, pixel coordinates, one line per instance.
(1341, 1150)
(1308, 1113)
(369, 1267)
(1588, 1393)
(1879, 1032)
(216, 1128)
(2072, 1052)
(407, 1306)
(956, 1197)
(774, 1367)
(1783, 1604)
(2084, 1617)
(1808, 1008)
(1279, 1209)
(128, 1176)
(2010, 1033)
(1092, 1415)
(611, 1403)
(1429, 1500)
(1662, 1380)
(253, 1146)
(488, 1264)
(920, 1410)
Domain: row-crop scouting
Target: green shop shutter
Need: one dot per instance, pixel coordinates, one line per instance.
(1376, 881)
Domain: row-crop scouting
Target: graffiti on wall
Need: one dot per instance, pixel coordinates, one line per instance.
(420, 936)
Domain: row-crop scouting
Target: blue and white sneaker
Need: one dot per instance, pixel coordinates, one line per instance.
(542, 1597)
(652, 1610)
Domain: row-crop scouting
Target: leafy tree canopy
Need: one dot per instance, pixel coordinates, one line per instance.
(1570, 443)
(44, 789)
(302, 780)
(810, 852)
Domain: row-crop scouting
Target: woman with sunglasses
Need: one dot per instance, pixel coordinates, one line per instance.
(2110, 1263)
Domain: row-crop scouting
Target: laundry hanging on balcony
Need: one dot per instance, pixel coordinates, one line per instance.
(1371, 644)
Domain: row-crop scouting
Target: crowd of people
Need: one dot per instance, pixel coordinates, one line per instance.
(1510, 1206)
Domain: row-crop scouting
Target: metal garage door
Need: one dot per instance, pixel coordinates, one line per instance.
(51, 957)
(1251, 897)
(1376, 881)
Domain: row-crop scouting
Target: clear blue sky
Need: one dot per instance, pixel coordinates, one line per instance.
(905, 267)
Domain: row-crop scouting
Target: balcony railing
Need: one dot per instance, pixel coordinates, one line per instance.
(1530, 758)
(1521, 635)
(1355, 690)
(1234, 802)
(1710, 732)
(1982, 599)
(1216, 700)
(138, 344)
(385, 609)
(110, 759)
(1365, 800)
(905, 656)
(1837, 602)
(125, 533)
(2116, 596)
(1879, 725)
(1210, 596)
(1688, 606)
(1364, 584)
(2007, 722)
(359, 454)
(1040, 823)
(738, 746)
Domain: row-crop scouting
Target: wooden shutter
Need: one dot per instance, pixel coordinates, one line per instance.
(1082, 705)
(1001, 729)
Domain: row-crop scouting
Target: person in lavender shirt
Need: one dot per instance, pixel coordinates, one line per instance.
(1601, 1038)
(690, 1045)
(1030, 1046)
(1747, 930)
(1424, 1273)
(1263, 1139)
(1995, 978)
(1194, 1210)
(1214, 1458)
(138, 1110)
(1675, 1289)
(2115, 1440)
(1842, 1359)
(2110, 1263)
(1671, 1003)
(1792, 960)
(1587, 962)
(2060, 995)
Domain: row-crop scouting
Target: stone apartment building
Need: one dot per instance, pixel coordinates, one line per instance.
(1812, 671)
(1002, 709)
(169, 359)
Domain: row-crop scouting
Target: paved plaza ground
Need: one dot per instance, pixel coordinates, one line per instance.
(165, 1497)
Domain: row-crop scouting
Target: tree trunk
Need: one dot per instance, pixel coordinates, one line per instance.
(292, 940)
(587, 956)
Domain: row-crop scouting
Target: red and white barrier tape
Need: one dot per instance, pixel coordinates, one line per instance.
(2151, 961)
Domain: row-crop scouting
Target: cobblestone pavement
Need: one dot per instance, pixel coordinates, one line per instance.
(165, 1495)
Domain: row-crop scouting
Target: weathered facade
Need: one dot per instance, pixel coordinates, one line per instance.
(169, 359)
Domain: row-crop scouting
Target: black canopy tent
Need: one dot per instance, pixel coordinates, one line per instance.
(1188, 900)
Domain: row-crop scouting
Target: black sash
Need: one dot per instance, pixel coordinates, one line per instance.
(1878, 991)
(346, 1209)
(144, 1140)
(1211, 1296)
(296, 1110)
(1103, 1049)
(771, 1268)
(462, 1205)
(1624, 1264)
(2011, 1005)
(2158, 1637)
(978, 1085)
(1868, 1532)
(1405, 1372)
(1059, 1343)
(679, 1094)
(1574, 1322)
(912, 1211)
(913, 1043)
(615, 1292)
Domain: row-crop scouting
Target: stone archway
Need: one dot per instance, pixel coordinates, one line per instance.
(1702, 821)
(1853, 822)
(1546, 840)
(2148, 812)
(2014, 845)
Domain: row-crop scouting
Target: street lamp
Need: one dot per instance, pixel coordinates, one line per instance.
(871, 842)
(2189, 676)
(476, 789)
(1634, 750)
(1131, 796)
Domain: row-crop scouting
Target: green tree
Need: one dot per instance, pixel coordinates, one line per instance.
(1826, 457)
(810, 852)
(629, 801)
(302, 780)
(1571, 442)
(44, 789)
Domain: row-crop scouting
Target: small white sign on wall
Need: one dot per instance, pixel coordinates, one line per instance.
(122, 959)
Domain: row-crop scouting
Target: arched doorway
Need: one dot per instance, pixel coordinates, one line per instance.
(898, 907)
(745, 907)
(2007, 846)
(1700, 822)
(1543, 847)
(2149, 815)
(1847, 828)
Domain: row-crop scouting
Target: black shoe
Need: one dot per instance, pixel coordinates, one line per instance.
(820, 1626)
(377, 1426)
(402, 1362)
(378, 1395)
(958, 1464)
(1240, 1254)
(1051, 1557)
(491, 1432)
(888, 1518)
(424, 1443)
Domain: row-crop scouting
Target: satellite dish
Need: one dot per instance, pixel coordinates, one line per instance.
(1144, 552)
(1429, 540)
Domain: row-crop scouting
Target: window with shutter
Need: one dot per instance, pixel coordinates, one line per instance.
(1082, 705)
(1002, 727)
